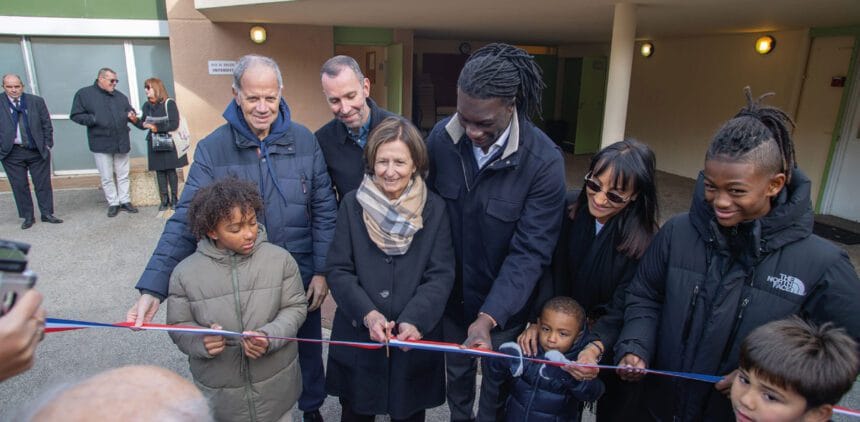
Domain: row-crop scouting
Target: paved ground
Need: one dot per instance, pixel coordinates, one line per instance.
(88, 265)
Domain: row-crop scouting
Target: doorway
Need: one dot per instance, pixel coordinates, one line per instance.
(842, 195)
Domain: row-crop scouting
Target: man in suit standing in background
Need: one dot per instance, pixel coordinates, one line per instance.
(26, 139)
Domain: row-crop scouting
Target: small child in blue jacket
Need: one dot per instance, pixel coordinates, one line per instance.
(548, 393)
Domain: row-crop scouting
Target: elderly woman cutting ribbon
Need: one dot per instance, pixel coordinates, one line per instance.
(390, 270)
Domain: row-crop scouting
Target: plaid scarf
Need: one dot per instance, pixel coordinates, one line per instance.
(392, 224)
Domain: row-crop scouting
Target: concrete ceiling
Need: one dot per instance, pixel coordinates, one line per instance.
(541, 21)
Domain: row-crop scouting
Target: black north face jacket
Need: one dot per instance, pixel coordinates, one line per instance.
(700, 289)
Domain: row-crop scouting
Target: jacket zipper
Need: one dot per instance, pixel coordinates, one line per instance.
(307, 199)
(465, 178)
(686, 331)
(245, 363)
(735, 329)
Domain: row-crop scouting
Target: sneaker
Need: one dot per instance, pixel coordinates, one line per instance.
(128, 207)
(113, 210)
(313, 416)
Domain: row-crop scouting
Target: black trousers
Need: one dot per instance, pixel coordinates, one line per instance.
(462, 370)
(16, 165)
(165, 178)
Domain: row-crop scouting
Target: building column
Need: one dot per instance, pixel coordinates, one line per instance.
(620, 68)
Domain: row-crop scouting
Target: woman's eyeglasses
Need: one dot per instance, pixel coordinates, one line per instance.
(612, 196)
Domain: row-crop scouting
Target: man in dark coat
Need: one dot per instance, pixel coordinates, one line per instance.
(262, 144)
(347, 93)
(26, 139)
(502, 180)
(104, 111)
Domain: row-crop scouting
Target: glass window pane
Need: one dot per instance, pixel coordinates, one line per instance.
(152, 59)
(64, 65)
(71, 150)
(12, 59)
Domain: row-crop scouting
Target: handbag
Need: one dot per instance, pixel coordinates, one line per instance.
(162, 142)
(181, 137)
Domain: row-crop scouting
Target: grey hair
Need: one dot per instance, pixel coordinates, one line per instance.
(105, 70)
(12, 74)
(333, 66)
(251, 60)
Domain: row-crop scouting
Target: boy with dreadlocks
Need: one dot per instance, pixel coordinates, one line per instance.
(503, 184)
(744, 255)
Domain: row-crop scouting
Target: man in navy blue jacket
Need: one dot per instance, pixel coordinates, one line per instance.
(502, 179)
(260, 143)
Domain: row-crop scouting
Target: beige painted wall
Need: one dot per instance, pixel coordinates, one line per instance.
(378, 90)
(819, 105)
(194, 40)
(681, 95)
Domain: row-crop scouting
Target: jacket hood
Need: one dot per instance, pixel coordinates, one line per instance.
(206, 246)
(280, 127)
(789, 219)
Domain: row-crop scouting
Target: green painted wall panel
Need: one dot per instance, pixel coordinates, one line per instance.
(362, 36)
(394, 78)
(592, 96)
(91, 9)
(549, 66)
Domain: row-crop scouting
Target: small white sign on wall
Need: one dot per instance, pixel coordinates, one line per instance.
(221, 67)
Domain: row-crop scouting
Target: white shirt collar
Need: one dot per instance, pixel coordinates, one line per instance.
(483, 158)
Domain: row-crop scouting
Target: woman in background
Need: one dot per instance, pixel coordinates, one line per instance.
(161, 115)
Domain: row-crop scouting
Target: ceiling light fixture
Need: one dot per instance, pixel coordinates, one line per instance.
(646, 49)
(765, 44)
(258, 34)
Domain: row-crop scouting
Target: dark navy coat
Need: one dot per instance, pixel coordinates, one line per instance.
(105, 114)
(504, 220)
(38, 119)
(409, 288)
(299, 206)
(701, 289)
(556, 398)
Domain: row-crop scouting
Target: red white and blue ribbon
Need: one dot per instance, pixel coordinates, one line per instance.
(56, 325)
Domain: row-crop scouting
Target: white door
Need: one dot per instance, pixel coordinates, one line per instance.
(842, 198)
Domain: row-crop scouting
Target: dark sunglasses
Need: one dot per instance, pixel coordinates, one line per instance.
(113, 81)
(595, 187)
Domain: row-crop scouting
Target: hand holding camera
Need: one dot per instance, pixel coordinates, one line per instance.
(22, 319)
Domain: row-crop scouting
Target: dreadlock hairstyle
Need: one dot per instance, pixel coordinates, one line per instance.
(758, 134)
(503, 71)
(215, 203)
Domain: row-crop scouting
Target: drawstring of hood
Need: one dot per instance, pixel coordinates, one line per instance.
(280, 127)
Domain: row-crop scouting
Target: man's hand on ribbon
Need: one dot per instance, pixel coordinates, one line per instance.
(590, 355)
(528, 339)
(478, 335)
(255, 346)
(214, 344)
(632, 368)
(143, 311)
(379, 327)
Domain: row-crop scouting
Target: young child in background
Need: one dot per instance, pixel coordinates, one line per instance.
(792, 370)
(548, 393)
(238, 281)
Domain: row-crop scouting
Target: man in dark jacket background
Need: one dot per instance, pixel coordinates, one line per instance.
(104, 111)
(26, 139)
(502, 180)
(347, 93)
(260, 143)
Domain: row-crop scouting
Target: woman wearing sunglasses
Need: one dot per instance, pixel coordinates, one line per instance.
(607, 227)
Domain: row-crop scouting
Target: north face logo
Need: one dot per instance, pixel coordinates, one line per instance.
(788, 283)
